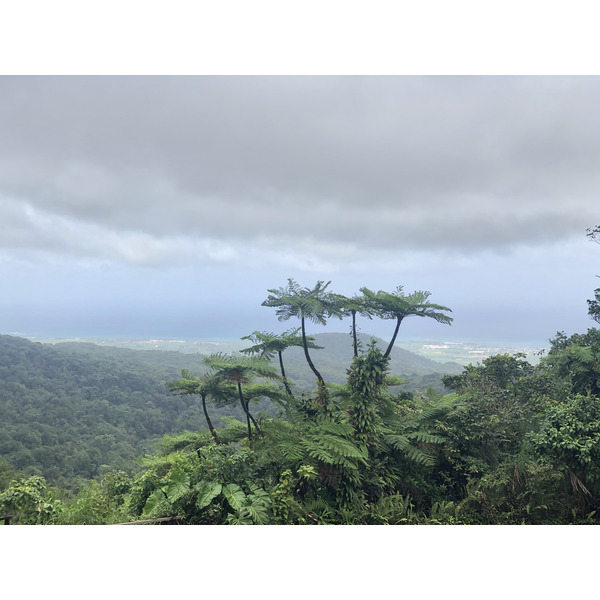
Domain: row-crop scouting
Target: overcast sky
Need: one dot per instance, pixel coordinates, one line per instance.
(167, 206)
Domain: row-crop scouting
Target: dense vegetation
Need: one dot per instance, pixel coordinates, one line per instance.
(512, 443)
(74, 411)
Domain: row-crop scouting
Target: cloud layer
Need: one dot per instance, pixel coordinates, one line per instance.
(149, 170)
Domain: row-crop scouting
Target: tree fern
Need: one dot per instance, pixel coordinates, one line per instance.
(314, 304)
(397, 305)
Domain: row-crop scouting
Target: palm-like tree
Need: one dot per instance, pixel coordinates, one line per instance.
(397, 305)
(314, 304)
(207, 385)
(238, 370)
(268, 344)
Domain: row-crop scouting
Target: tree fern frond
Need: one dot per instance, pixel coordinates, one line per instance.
(340, 446)
(421, 457)
(320, 453)
(413, 453)
(341, 429)
(425, 437)
(398, 441)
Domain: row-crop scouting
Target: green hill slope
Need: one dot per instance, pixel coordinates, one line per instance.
(71, 411)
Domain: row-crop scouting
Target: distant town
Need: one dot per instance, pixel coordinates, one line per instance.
(468, 352)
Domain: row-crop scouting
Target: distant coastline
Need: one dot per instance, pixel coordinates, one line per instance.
(462, 352)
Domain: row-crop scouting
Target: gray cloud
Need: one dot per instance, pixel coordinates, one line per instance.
(142, 168)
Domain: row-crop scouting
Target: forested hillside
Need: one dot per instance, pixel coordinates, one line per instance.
(73, 411)
(512, 443)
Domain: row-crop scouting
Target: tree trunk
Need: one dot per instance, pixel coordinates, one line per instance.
(258, 429)
(389, 349)
(208, 421)
(306, 354)
(354, 332)
(245, 409)
(285, 381)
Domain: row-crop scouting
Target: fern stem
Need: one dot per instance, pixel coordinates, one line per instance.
(389, 348)
(307, 355)
(285, 381)
(208, 421)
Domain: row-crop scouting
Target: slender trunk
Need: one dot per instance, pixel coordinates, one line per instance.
(258, 429)
(310, 362)
(208, 421)
(245, 409)
(389, 349)
(249, 417)
(354, 332)
(285, 381)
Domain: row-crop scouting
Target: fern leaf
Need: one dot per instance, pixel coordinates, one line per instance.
(420, 457)
(340, 446)
(426, 438)
(399, 442)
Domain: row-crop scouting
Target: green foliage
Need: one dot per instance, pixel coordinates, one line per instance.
(314, 304)
(514, 443)
(236, 368)
(29, 502)
(7, 473)
(98, 503)
(268, 344)
(394, 509)
(207, 492)
(178, 486)
(574, 363)
(71, 414)
(500, 372)
(569, 438)
(250, 508)
(398, 306)
(521, 490)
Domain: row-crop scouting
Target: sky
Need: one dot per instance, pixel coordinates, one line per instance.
(167, 206)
